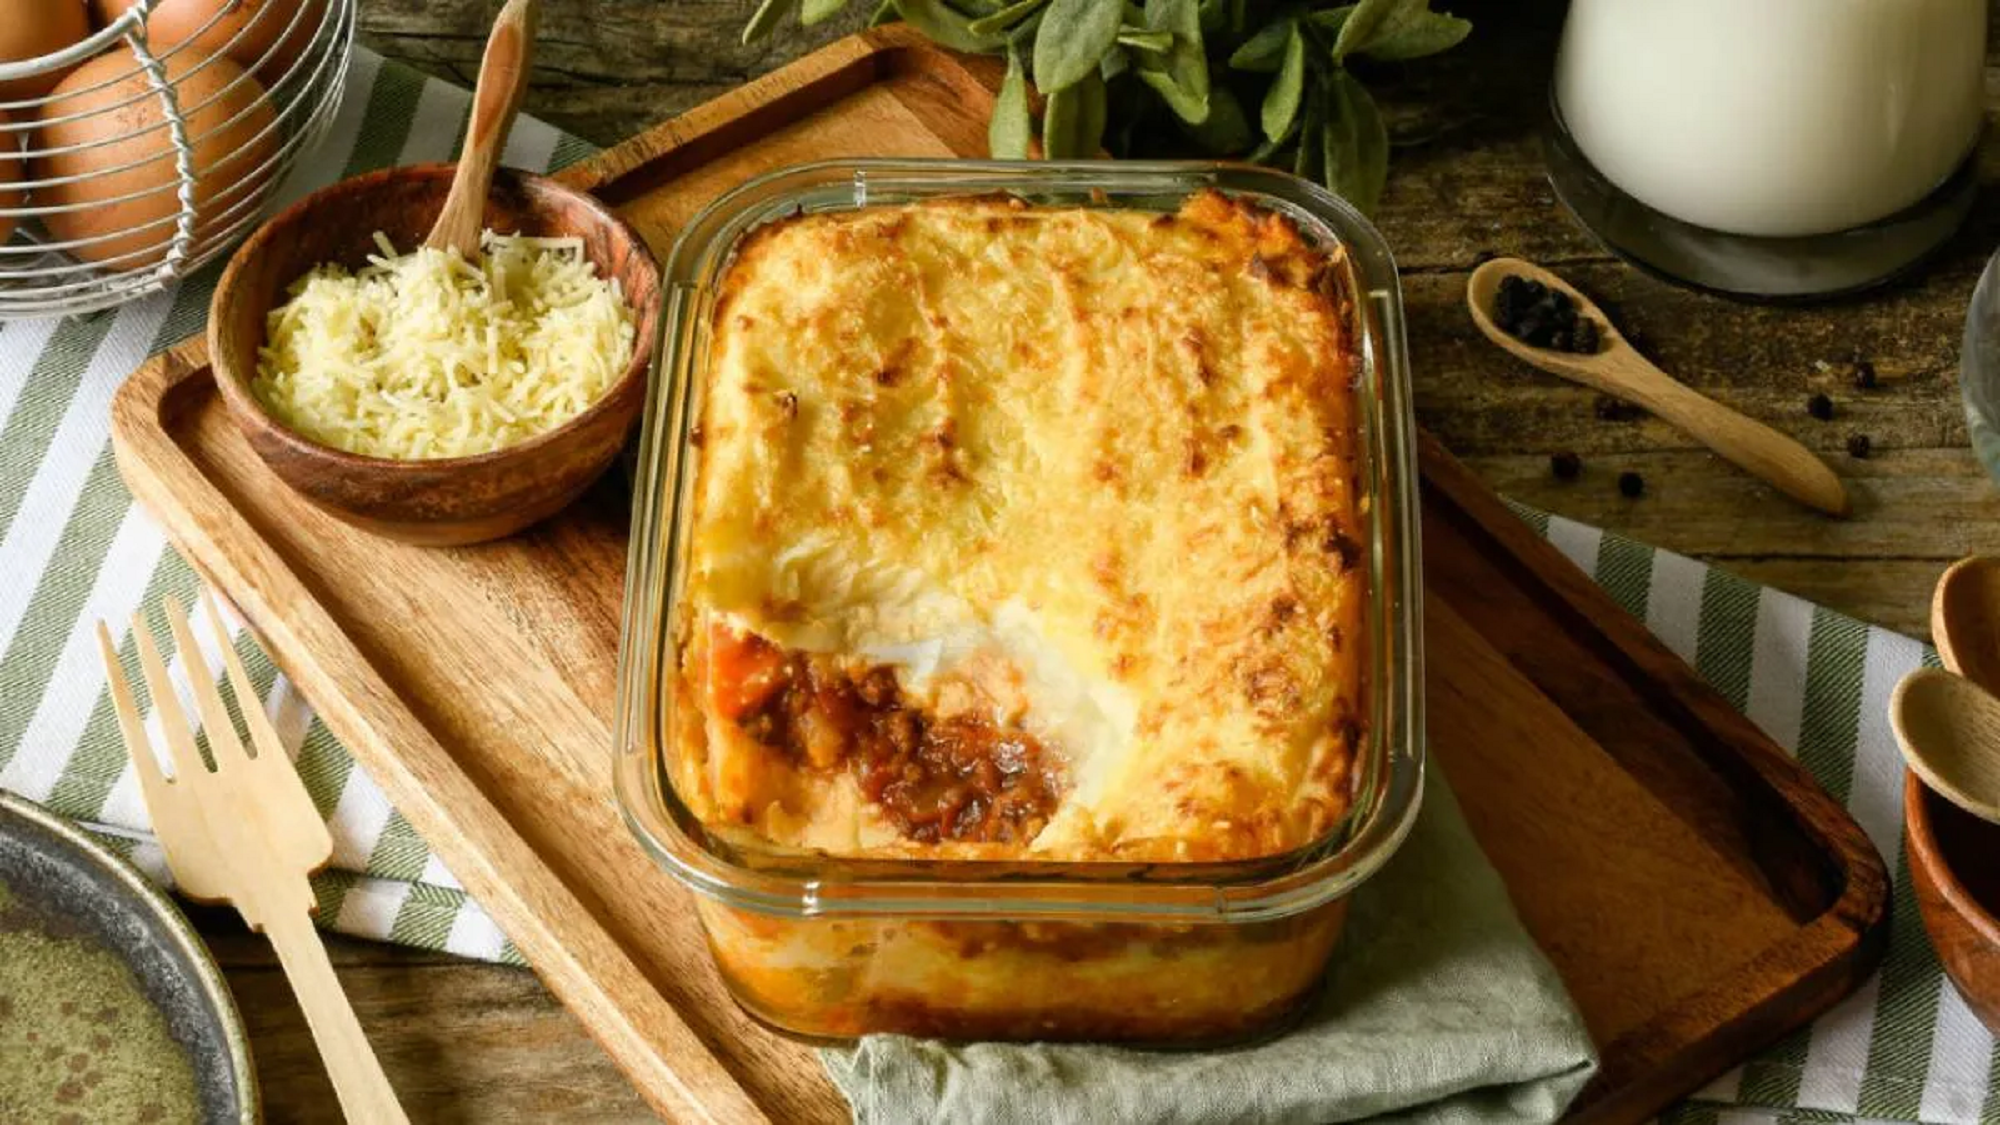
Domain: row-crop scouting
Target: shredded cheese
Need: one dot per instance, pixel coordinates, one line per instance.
(426, 355)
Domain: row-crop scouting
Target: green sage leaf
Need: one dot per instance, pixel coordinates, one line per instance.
(1331, 20)
(1264, 52)
(1012, 126)
(1182, 17)
(1281, 101)
(819, 11)
(1226, 131)
(1073, 119)
(1004, 18)
(1181, 82)
(1214, 16)
(885, 12)
(1369, 20)
(1115, 62)
(1180, 77)
(1075, 34)
(1267, 148)
(1023, 34)
(1356, 144)
(947, 26)
(767, 17)
(1426, 33)
(1305, 158)
(1158, 42)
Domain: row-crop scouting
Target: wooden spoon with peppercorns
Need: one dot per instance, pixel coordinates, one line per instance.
(1543, 320)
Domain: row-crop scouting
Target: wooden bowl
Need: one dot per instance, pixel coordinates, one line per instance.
(1957, 884)
(454, 500)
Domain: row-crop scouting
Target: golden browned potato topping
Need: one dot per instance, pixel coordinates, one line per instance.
(1026, 532)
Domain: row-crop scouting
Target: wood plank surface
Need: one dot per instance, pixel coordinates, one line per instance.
(488, 1044)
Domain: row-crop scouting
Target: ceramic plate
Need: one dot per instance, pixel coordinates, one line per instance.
(111, 1009)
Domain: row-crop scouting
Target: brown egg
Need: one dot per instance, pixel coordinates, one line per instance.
(259, 23)
(127, 125)
(36, 27)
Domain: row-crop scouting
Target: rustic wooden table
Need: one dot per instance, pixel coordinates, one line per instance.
(471, 1042)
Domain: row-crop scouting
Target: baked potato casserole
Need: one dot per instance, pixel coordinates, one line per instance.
(1028, 534)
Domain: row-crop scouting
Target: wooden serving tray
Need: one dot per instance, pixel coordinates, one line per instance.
(1699, 894)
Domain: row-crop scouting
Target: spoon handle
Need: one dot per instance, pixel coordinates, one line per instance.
(503, 79)
(1758, 449)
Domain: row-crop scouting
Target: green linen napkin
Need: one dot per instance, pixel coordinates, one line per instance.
(1437, 1007)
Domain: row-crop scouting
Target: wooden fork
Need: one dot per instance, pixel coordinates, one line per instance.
(246, 833)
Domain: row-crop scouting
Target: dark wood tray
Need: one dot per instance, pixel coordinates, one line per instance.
(1698, 893)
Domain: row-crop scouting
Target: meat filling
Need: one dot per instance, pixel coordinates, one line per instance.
(957, 777)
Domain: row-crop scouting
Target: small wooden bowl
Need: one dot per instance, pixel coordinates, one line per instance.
(1957, 884)
(454, 500)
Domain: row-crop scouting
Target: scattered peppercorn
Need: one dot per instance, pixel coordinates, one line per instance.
(1859, 447)
(1631, 483)
(1864, 375)
(1541, 316)
(1565, 465)
(1820, 407)
(1617, 410)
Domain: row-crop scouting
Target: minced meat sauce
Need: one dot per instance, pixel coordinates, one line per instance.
(959, 777)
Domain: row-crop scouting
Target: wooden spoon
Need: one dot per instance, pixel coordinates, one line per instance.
(1949, 729)
(1965, 620)
(1619, 370)
(1965, 624)
(503, 78)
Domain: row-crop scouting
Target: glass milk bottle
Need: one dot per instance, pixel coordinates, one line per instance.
(1773, 148)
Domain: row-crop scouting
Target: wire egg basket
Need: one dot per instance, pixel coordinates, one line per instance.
(147, 167)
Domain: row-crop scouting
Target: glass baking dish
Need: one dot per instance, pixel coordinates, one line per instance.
(832, 947)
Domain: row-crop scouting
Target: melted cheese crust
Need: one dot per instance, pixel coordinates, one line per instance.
(1093, 472)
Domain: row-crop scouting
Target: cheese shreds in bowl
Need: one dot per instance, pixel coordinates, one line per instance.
(426, 355)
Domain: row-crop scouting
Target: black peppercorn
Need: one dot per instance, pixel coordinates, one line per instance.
(1537, 315)
(1820, 407)
(1631, 483)
(1565, 465)
(1864, 375)
(1859, 447)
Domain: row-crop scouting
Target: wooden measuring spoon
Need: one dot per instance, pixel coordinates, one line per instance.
(1965, 620)
(503, 78)
(1965, 624)
(1619, 370)
(1949, 729)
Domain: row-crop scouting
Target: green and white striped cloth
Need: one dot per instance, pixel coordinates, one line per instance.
(74, 549)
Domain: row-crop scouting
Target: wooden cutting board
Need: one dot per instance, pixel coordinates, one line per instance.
(1698, 893)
